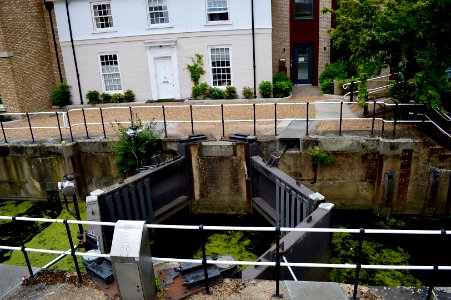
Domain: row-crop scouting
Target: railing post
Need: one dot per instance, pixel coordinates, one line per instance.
(131, 115)
(394, 124)
(431, 287)
(277, 270)
(352, 91)
(192, 122)
(374, 117)
(255, 121)
(383, 121)
(77, 213)
(29, 126)
(306, 125)
(275, 119)
(365, 108)
(22, 248)
(103, 124)
(72, 251)
(70, 127)
(222, 119)
(164, 122)
(204, 261)
(84, 120)
(59, 127)
(3, 130)
(358, 262)
(341, 117)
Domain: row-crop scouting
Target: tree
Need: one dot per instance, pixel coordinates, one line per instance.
(412, 37)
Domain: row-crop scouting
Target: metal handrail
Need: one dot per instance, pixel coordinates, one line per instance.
(346, 85)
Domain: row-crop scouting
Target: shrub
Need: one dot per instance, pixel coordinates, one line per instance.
(93, 97)
(61, 95)
(338, 70)
(127, 150)
(265, 89)
(248, 92)
(216, 93)
(106, 98)
(129, 96)
(230, 92)
(196, 69)
(117, 98)
(200, 90)
(280, 76)
(282, 89)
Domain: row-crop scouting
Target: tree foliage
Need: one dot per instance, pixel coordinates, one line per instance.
(412, 37)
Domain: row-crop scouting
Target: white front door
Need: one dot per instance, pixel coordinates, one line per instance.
(165, 78)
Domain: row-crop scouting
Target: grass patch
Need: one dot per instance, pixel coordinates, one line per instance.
(52, 237)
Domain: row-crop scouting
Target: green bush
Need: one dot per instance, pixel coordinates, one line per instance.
(146, 143)
(338, 70)
(61, 95)
(93, 97)
(106, 98)
(282, 89)
(129, 96)
(216, 93)
(265, 89)
(117, 98)
(230, 92)
(248, 92)
(200, 90)
(280, 76)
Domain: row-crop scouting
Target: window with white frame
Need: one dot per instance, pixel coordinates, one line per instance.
(101, 15)
(221, 72)
(158, 12)
(217, 10)
(109, 68)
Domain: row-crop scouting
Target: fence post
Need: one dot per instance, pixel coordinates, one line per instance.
(394, 124)
(383, 121)
(430, 287)
(306, 126)
(222, 119)
(22, 248)
(59, 127)
(275, 119)
(204, 261)
(352, 91)
(84, 120)
(3, 130)
(277, 270)
(103, 124)
(374, 117)
(72, 252)
(70, 127)
(29, 126)
(131, 115)
(358, 262)
(77, 213)
(255, 120)
(164, 122)
(192, 122)
(341, 117)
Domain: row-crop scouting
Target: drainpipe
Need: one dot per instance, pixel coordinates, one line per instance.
(253, 49)
(49, 7)
(73, 52)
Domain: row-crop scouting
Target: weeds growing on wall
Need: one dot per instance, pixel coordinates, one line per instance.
(320, 157)
(127, 151)
(196, 69)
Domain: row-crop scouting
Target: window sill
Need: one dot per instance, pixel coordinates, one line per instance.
(215, 23)
(304, 18)
(160, 26)
(104, 31)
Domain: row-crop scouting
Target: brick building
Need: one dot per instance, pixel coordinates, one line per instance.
(301, 44)
(28, 64)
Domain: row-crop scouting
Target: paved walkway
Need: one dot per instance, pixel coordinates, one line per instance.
(11, 278)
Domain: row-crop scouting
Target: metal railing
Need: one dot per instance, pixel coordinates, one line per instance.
(352, 84)
(77, 118)
(205, 262)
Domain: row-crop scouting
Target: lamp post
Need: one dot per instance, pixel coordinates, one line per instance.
(132, 134)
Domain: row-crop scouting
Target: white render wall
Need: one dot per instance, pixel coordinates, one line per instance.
(130, 18)
(134, 62)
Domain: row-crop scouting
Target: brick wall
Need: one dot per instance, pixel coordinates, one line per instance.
(280, 33)
(27, 76)
(324, 39)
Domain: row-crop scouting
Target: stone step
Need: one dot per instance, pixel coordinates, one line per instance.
(306, 90)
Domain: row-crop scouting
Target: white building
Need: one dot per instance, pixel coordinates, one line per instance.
(145, 45)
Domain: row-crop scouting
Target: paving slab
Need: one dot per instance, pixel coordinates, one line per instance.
(11, 277)
(294, 130)
(314, 290)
